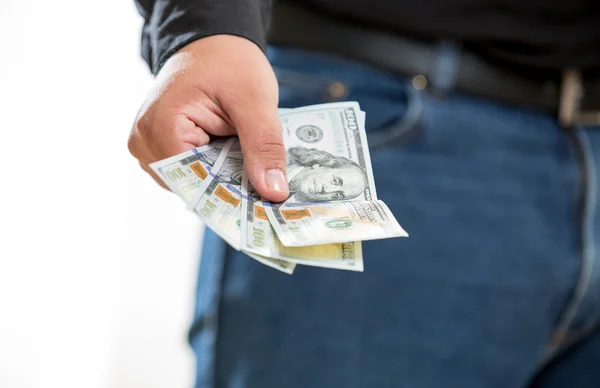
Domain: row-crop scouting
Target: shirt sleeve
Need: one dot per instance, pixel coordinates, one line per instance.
(171, 24)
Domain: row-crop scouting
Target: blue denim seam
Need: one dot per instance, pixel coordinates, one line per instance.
(573, 340)
(588, 206)
(408, 121)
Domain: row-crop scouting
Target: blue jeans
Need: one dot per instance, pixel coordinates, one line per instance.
(498, 284)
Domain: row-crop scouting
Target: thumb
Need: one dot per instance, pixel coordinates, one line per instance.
(264, 152)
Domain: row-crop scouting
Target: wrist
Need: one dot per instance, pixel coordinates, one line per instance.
(218, 47)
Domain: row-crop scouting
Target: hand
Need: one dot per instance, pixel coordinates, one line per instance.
(220, 85)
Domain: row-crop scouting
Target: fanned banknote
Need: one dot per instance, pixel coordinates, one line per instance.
(218, 202)
(336, 221)
(332, 206)
(259, 237)
(184, 173)
(332, 191)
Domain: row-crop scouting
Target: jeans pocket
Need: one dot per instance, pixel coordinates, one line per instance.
(392, 119)
(394, 109)
(297, 88)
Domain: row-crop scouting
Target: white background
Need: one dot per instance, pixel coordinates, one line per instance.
(97, 263)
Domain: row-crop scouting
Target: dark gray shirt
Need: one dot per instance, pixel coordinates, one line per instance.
(541, 34)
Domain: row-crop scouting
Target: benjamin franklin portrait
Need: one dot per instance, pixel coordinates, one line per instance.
(318, 176)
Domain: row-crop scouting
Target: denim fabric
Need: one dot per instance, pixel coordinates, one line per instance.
(498, 284)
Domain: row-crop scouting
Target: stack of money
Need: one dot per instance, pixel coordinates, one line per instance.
(332, 205)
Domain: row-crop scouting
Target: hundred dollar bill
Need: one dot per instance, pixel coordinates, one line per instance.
(218, 201)
(339, 222)
(259, 237)
(184, 173)
(328, 162)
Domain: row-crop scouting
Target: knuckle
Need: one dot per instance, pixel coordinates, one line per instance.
(132, 145)
(143, 125)
(270, 149)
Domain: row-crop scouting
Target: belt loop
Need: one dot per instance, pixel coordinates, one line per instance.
(571, 95)
(443, 68)
(570, 98)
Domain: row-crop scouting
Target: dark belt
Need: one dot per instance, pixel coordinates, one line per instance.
(575, 100)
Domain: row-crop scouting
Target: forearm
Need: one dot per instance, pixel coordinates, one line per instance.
(171, 24)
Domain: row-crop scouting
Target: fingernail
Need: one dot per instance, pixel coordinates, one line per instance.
(275, 180)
